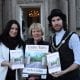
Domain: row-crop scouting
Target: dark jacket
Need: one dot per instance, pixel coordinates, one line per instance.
(66, 57)
(30, 41)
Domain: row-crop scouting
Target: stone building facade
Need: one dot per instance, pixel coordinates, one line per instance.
(19, 10)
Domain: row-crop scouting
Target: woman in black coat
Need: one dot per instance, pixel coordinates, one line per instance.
(36, 38)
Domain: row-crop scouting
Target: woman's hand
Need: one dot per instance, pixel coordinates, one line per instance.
(6, 64)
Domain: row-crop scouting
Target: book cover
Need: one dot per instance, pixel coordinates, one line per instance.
(35, 59)
(53, 62)
(16, 59)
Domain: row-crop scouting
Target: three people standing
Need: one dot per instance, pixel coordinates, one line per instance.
(65, 42)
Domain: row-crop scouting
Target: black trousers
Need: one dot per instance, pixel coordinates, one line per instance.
(11, 75)
(74, 75)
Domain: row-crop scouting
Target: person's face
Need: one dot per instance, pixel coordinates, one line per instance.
(36, 34)
(57, 23)
(14, 30)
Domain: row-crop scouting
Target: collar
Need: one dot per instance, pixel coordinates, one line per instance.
(62, 32)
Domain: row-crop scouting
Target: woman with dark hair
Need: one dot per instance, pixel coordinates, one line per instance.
(67, 44)
(10, 39)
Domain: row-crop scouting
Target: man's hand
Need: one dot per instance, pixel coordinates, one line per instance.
(58, 74)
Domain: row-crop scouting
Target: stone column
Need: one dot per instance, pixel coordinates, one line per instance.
(52, 4)
(0, 16)
(63, 5)
(6, 11)
(13, 3)
(49, 5)
(78, 16)
(9, 10)
(72, 14)
(46, 15)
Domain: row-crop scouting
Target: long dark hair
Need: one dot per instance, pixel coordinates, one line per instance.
(9, 41)
(57, 12)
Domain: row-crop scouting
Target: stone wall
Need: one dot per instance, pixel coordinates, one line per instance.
(69, 7)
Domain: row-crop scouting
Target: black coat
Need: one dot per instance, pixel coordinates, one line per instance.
(30, 41)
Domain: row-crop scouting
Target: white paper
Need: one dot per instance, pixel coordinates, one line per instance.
(35, 59)
(53, 62)
(16, 59)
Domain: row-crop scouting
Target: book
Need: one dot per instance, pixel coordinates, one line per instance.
(35, 59)
(16, 59)
(53, 62)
